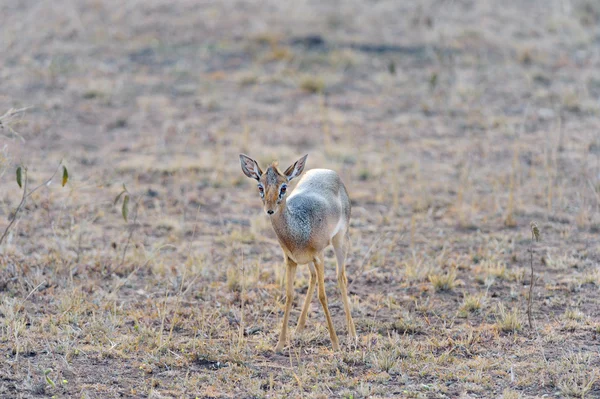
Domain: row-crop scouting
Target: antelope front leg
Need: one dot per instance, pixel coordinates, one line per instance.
(289, 298)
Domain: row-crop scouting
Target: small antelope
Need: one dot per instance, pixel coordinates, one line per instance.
(306, 221)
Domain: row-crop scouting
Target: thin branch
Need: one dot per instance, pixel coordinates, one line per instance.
(33, 290)
(21, 204)
(535, 236)
(8, 115)
(11, 112)
(530, 299)
(47, 181)
(132, 229)
(24, 199)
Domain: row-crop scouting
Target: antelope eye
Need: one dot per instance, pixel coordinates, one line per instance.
(283, 189)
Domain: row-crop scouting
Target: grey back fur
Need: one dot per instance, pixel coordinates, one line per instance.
(317, 210)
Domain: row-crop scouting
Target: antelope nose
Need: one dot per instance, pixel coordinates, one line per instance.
(270, 212)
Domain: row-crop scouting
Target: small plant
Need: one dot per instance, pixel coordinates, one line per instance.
(535, 235)
(312, 84)
(416, 268)
(385, 359)
(495, 269)
(234, 282)
(125, 205)
(125, 213)
(443, 282)
(386, 354)
(508, 321)
(472, 303)
(11, 118)
(48, 379)
(23, 181)
(574, 314)
(592, 278)
(407, 325)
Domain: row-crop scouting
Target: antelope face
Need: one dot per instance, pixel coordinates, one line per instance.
(272, 185)
(272, 188)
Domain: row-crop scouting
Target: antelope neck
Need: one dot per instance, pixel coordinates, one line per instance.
(281, 224)
(278, 220)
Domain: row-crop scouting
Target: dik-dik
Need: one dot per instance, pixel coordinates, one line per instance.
(306, 221)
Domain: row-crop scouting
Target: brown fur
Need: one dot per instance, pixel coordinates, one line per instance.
(271, 180)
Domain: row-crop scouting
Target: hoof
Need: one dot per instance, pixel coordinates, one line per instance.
(279, 348)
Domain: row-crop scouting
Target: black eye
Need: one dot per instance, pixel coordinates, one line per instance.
(283, 189)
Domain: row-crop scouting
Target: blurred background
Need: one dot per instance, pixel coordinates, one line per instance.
(424, 105)
(453, 124)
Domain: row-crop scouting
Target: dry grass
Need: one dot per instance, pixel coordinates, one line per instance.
(453, 127)
(508, 321)
(314, 85)
(444, 281)
(472, 303)
(575, 374)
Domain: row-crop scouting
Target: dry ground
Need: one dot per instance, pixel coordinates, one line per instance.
(453, 123)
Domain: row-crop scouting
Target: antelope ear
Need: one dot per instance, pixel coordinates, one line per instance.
(250, 167)
(296, 169)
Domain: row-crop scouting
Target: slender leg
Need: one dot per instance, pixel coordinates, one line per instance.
(289, 298)
(340, 248)
(320, 268)
(309, 295)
